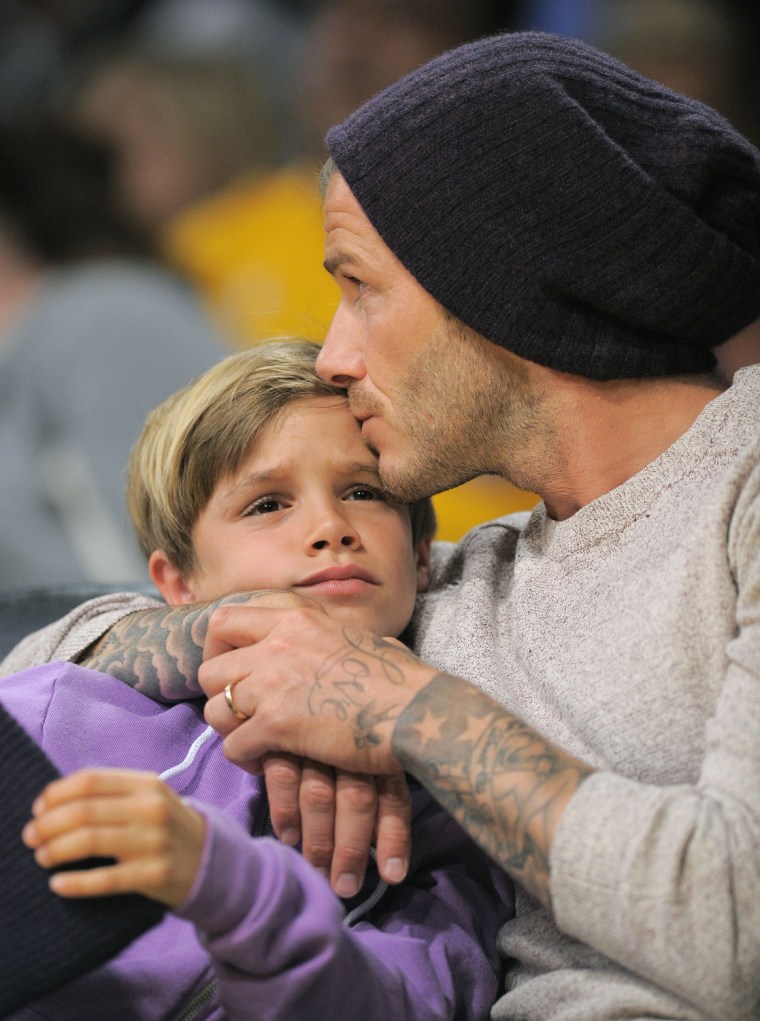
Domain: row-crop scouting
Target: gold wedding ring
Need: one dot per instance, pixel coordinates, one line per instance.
(231, 705)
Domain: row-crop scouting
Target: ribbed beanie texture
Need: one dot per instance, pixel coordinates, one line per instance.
(46, 941)
(562, 205)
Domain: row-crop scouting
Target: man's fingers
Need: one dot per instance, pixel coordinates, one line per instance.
(394, 827)
(283, 780)
(238, 625)
(317, 809)
(304, 684)
(232, 627)
(356, 809)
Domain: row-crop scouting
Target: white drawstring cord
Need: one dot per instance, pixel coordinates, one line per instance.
(188, 760)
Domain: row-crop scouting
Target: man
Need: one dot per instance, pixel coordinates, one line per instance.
(537, 250)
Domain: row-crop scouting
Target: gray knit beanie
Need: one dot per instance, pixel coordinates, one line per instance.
(562, 205)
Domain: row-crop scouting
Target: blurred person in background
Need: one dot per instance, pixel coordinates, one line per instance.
(197, 145)
(40, 40)
(354, 48)
(230, 194)
(93, 332)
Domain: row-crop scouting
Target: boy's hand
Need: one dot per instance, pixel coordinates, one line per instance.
(156, 839)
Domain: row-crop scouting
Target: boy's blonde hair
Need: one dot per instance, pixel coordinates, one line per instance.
(203, 432)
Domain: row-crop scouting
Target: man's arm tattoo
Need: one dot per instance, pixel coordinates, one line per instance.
(504, 783)
(158, 652)
(339, 688)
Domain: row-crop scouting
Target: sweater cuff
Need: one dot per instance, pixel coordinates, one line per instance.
(602, 851)
(225, 847)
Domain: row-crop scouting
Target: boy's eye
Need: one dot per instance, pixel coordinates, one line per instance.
(365, 493)
(264, 505)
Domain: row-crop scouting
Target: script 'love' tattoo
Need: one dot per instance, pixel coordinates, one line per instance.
(502, 781)
(158, 652)
(341, 687)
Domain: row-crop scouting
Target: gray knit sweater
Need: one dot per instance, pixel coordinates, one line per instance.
(630, 635)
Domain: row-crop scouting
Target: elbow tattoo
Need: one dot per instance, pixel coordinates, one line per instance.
(504, 783)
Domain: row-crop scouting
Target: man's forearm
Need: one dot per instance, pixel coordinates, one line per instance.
(158, 652)
(502, 781)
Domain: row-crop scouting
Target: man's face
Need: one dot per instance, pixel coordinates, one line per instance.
(438, 403)
(305, 512)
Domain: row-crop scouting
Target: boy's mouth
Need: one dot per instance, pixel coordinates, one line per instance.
(342, 579)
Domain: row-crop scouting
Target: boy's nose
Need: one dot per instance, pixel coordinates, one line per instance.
(345, 540)
(333, 532)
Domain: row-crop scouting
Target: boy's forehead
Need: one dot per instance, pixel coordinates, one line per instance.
(322, 423)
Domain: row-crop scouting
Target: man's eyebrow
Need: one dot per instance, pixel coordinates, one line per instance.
(332, 262)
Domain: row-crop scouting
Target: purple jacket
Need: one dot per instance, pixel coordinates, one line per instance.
(261, 935)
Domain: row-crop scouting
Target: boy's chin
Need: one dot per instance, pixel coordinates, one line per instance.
(382, 624)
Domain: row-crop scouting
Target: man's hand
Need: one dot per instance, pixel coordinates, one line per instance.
(337, 814)
(326, 692)
(156, 839)
(309, 685)
(304, 683)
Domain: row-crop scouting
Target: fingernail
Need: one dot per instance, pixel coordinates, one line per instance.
(290, 837)
(395, 870)
(347, 884)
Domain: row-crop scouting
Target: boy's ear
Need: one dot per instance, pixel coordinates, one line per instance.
(422, 552)
(167, 579)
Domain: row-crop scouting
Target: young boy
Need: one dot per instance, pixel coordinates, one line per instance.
(253, 477)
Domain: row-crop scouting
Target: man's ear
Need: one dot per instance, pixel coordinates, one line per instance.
(167, 579)
(422, 552)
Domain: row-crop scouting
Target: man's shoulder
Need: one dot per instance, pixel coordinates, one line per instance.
(492, 541)
(744, 395)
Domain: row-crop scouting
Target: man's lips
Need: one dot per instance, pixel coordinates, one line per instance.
(361, 406)
(343, 579)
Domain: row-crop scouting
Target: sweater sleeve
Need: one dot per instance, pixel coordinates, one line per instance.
(281, 948)
(66, 639)
(666, 880)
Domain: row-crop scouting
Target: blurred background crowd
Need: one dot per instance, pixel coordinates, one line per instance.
(159, 208)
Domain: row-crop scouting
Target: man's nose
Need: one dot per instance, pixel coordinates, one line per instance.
(341, 359)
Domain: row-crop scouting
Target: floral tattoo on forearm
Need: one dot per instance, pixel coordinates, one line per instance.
(158, 652)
